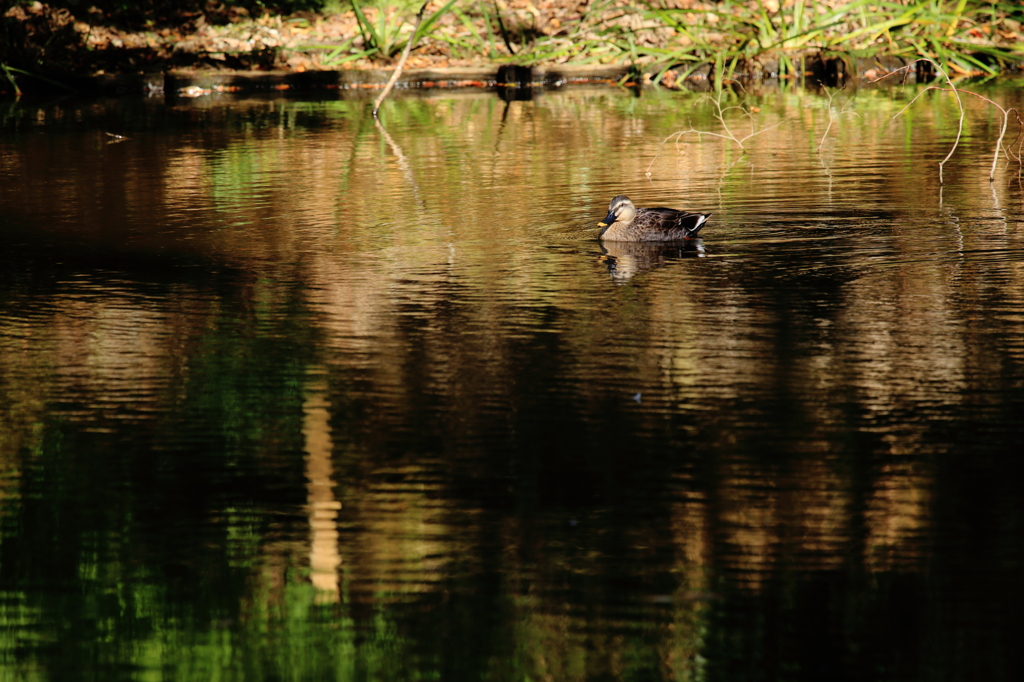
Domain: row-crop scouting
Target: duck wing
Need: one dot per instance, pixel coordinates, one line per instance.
(678, 223)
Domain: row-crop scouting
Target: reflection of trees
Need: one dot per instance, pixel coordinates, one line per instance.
(324, 560)
(449, 392)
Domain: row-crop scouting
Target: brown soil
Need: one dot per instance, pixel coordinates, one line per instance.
(42, 37)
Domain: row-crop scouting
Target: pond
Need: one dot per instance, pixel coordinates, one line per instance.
(292, 394)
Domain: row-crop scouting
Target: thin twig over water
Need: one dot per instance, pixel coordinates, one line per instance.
(401, 61)
(1002, 131)
(952, 88)
(956, 93)
(729, 135)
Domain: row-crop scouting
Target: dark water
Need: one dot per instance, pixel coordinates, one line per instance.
(289, 395)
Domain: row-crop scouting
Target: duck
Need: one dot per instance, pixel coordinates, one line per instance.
(627, 223)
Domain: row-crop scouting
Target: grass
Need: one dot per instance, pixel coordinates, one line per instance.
(8, 72)
(965, 36)
(384, 30)
(654, 36)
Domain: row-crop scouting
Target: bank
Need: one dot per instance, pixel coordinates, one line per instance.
(212, 47)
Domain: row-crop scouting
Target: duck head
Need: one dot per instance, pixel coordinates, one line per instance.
(620, 210)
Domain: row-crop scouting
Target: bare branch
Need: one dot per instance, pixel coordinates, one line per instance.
(401, 61)
(829, 126)
(729, 136)
(956, 93)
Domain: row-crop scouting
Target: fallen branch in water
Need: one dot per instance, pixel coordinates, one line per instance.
(1002, 132)
(401, 61)
(831, 118)
(952, 88)
(956, 93)
(729, 135)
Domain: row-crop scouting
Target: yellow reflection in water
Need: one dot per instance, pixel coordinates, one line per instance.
(322, 507)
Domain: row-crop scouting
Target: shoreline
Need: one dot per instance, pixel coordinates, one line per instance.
(679, 46)
(188, 82)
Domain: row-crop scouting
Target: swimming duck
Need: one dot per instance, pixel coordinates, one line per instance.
(627, 223)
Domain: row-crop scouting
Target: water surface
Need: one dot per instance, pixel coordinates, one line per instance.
(291, 394)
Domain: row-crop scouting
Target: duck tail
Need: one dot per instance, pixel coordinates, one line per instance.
(700, 223)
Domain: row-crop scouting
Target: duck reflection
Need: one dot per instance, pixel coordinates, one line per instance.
(627, 259)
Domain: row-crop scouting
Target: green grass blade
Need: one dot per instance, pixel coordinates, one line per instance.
(429, 22)
(370, 37)
(333, 54)
(348, 58)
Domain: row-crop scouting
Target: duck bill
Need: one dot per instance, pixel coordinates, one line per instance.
(608, 220)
